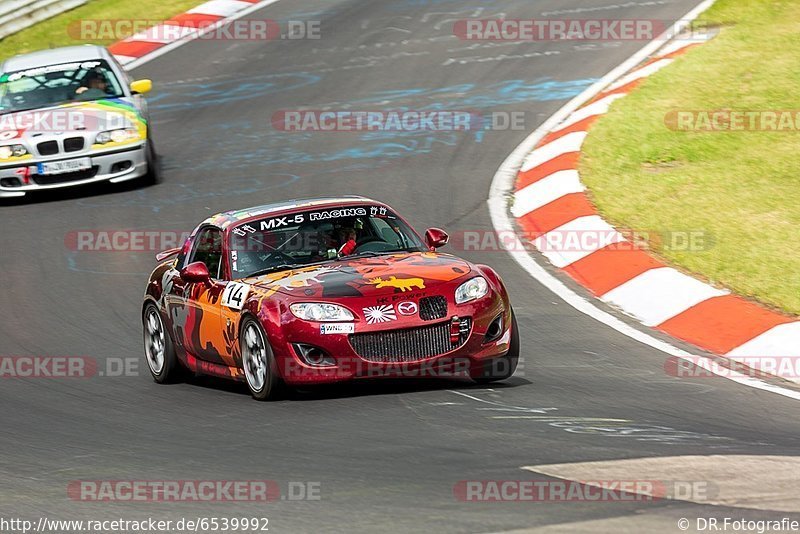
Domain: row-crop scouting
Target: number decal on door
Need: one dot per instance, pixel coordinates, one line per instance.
(235, 294)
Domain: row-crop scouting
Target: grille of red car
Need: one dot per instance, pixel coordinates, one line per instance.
(431, 308)
(408, 345)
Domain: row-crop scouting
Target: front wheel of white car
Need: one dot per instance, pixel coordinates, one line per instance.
(153, 175)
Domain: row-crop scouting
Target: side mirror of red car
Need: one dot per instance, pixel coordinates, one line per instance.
(196, 273)
(435, 238)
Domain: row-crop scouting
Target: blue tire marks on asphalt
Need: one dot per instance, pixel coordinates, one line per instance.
(277, 147)
(193, 95)
(171, 193)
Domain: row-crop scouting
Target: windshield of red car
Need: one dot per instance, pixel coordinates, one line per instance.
(315, 236)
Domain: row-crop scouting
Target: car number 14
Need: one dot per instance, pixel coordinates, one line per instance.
(235, 294)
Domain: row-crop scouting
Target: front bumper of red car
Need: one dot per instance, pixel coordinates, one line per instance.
(458, 343)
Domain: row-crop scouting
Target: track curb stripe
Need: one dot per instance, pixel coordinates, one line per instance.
(549, 202)
(185, 25)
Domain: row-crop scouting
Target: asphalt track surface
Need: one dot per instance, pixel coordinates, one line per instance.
(387, 455)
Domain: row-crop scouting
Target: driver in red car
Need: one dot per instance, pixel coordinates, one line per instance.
(349, 238)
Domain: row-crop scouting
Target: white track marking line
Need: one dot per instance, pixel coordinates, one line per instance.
(660, 294)
(124, 59)
(746, 481)
(220, 8)
(595, 108)
(679, 44)
(640, 73)
(138, 62)
(158, 33)
(545, 191)
(503, 184)
(568, 143)
(577, 239)
(502, 405)
(771, 343)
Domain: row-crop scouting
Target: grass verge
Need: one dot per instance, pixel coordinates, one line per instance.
(740, 188)
(54, 32)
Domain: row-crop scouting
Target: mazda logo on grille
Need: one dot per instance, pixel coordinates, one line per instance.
(407, 308)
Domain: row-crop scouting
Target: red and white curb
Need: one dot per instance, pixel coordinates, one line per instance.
(539, 184)
(181, 28)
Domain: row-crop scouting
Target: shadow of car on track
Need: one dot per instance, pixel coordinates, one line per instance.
(74, 193)
(359, 388)
(87, 190)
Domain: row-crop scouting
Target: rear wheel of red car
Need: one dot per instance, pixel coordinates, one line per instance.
(503, 367)
(158, 349)
(258, 362)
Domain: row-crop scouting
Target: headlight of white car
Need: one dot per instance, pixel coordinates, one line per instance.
(12, 150)
(320, 311)
(471, 290)
(118, 136)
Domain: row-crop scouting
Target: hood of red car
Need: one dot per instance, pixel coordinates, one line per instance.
(366, 277)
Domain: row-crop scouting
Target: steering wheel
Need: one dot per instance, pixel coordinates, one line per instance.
(374, 245)
(367, 239)
(284, 258)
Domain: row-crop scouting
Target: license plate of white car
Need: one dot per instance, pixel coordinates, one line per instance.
(61, 167)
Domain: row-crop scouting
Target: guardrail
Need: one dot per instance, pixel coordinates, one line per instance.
(16, 15)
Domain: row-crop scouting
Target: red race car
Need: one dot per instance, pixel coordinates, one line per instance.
(324, 290)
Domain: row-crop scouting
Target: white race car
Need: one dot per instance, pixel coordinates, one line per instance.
(71, 116)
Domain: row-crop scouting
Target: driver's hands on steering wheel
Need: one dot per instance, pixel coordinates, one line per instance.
(349, 245)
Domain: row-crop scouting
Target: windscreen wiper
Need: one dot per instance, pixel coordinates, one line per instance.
(280, 267)
(284, 266)
(369, 254)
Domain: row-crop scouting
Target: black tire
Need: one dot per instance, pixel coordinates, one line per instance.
(153, 175)
(166, 369)
(261, 370)
(503, 367)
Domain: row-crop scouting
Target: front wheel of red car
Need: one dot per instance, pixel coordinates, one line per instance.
(258, 362)
(503, 367)
(158, 349)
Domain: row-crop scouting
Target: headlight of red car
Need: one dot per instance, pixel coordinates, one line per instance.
(472, 289)
(320, 311)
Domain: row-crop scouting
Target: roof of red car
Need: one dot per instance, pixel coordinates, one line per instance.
(227, 218)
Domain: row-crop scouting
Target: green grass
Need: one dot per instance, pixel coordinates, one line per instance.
(741, 188)
(53, 32)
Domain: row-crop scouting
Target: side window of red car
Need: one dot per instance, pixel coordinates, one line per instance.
(208, 249)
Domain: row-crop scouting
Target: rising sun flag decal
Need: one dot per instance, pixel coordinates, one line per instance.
(379, 314)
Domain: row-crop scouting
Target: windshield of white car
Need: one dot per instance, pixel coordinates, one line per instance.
(317, 236)
(55, 85)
